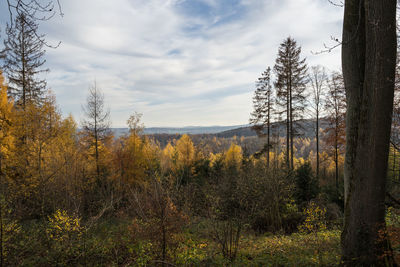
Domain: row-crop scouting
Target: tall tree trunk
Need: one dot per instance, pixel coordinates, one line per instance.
(287, 129)
(394, 164)
(23, 59)
(317, 141)
(291, 123)
(337, 153)
(268, 129)
(336, 164)
(368, 62)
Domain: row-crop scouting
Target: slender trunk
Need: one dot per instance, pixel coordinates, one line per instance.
(317, 141)
(164, 239)
(291, 118)
(394, 164)
(399, 169)
(96, 137)
(41, 180)
(368, 61)
(268, 129)
(337, 154)
(287, 129)
(291, 132)
(24, 83)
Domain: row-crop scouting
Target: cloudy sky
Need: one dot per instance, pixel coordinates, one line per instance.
(179, 62)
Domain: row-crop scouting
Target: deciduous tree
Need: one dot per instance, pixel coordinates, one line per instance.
(97, 122)
(368, 62)
(318, 79)
(335, 105)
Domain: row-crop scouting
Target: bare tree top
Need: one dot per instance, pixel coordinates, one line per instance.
(35, 10)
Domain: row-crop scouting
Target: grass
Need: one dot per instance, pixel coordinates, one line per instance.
(298, 249)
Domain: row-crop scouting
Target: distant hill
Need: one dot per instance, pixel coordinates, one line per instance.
(305, 128)
(242, 131)
(184, 130)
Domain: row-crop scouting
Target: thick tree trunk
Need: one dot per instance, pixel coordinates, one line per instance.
(368, 61)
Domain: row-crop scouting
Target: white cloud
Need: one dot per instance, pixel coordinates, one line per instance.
(179, 69)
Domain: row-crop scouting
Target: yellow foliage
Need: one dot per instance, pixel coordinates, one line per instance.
(167, 157)
(214, 158)
(315, 218)
(63, 227)
(185, 151)
(6, 120)
(298, 162)
(137, 155)
(233, 156)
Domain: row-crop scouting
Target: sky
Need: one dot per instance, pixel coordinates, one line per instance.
(178, 62)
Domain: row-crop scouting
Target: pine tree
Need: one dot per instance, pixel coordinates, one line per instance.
(263, 99)
(23, 61)
(291, 72)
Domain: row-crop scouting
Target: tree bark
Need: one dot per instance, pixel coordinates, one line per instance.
(368, 62)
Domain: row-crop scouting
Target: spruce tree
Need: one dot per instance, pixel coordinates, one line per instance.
(263, 100)
(23, 61)
(291, 72)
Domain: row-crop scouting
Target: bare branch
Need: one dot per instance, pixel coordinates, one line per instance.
(339, 4)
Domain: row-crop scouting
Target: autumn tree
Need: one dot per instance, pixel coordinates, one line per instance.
(185, 153)
(318, 79)
(158, 220)
(335, 105)
(6, 126)
(291, 72)
(233, 157)
(36, 131)
(6, 144)
(368, 62)
(23, 61)
(261, 116)
(97, 122)
(134, 123)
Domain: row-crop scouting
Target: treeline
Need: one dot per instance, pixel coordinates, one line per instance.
(70, 198)
(60, 186)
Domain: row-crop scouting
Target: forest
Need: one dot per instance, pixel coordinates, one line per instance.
(73, 194)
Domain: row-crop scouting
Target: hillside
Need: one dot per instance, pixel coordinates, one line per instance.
(306, 128)
(180, 130)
